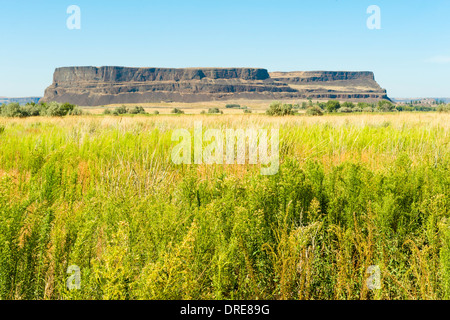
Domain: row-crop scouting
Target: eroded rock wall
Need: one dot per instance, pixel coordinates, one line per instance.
(92, 86)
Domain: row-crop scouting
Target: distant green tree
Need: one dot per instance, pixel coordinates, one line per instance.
(54, 109)
(348, 104)
(385, 106)
(67, 108)
(333, 106)
(31, 110)
(12, 110)
(51, 109)
(362, 105)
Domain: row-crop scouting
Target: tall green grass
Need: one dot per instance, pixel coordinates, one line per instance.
(102, 194)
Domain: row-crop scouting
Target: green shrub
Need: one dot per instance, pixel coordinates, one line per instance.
(136, 110)
(443, 108)
(31, 110)
(213, 110)
(279, 109)
(120, 110)
(52, 109)
(76, 112)
(314, 111)
(233, 106)
(124, 110)
(363, 105)
(177, 111)
(67, 108)
(332, 106)
(345, 110)
(385, 106)
(12, 110)
(349, 105)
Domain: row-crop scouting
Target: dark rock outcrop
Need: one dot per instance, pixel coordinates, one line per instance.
(342, 85)
(123, 74)
(322, 76)
(92, 86)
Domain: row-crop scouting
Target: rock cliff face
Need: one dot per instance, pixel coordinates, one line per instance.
(343, 85)
(123, 74)
(92, 86)
(322, 76)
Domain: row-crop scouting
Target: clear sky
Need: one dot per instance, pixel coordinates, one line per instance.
(410, 54)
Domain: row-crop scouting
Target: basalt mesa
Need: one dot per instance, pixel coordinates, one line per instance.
(95, 86)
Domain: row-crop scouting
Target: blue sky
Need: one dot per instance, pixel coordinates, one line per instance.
(410, 55)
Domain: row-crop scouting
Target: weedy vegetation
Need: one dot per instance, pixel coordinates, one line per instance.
(102, 193)
(52, 109)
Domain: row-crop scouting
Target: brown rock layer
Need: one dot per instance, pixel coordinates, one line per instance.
(92, 86)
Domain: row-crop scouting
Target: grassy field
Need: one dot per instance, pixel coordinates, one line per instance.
(353, 191)
(257, 106)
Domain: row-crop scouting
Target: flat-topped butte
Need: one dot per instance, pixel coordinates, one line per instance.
(94, 86)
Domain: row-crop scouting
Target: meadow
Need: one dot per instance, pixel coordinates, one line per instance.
(100, 192)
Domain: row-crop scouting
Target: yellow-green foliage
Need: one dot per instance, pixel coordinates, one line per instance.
(101, 193)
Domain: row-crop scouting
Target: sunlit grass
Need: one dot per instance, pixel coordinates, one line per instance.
(103, 194)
